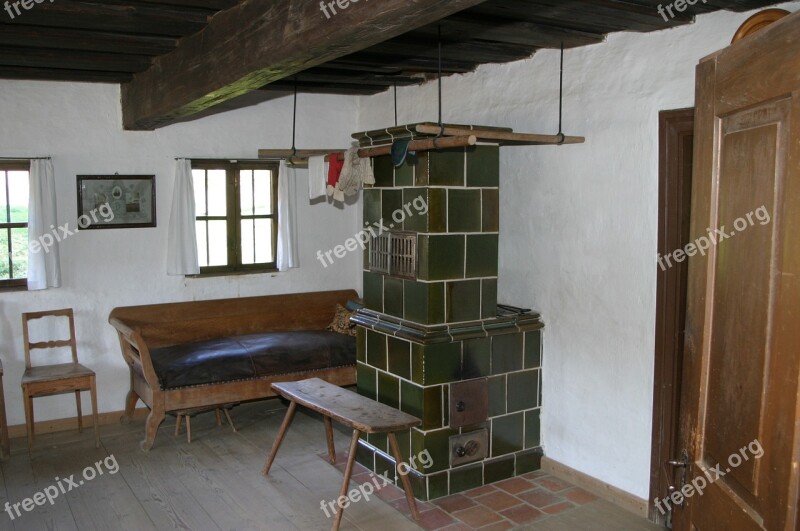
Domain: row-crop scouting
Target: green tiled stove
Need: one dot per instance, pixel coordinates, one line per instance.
(431, 338)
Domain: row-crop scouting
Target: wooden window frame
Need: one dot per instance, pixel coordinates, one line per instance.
(14, 284)
(234, 217)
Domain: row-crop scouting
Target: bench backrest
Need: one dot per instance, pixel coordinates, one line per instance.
(184, 322)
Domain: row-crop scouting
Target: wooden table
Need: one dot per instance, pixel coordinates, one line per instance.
(354, 411)
(5, 452)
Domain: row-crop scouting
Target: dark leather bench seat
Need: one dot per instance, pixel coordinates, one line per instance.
(251, 356)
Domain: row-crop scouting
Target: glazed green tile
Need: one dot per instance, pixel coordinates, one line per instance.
(463, 210)
(404, 175)
(388, 390)
(411, 399)
(379, 441)
(507, 434)
(432, 408)
(506, 353)
(488, 298)
(418, 364)
(481, 255)
(466, 477)
(438, 485)
(446, 167)
(437, 443)
(533, 349)
(539, 403)
(384, 465)
(476, 358)
(463, 301)
(422, 169)
(399, 357)
(404, 442)
(497, 395)
(366, 381)
(376, 350)
(393, 296)
(523, 390)
(384, 172)
(528, 461)
(533, 436)
(490, 207)
(419, 485)
(446, 405)
(442, 362)
(373, 291)
(424, 303)
(372, 205)
(391, 202)
(361, 344)
(498, 469)
(365, 455)
(441, 257)
(427, 209)
(483, 166)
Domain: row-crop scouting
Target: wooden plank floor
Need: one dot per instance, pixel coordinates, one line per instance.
(213, 483)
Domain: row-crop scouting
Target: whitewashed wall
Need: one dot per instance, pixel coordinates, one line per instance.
(578, 223)
(79, 125)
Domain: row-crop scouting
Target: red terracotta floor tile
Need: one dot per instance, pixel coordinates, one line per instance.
(522, 514)
(477, 516)
(553, 483)
(499, 526)
(498, 501)
(458, 526)
(390, 493)
(456, 502)
(580, 496)
(540, 497)
(558, 508)
(480, 491)
(435, 519)
(535, 474)
(515, 485)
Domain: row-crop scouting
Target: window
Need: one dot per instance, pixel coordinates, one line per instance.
(236, 215)
(13, 224)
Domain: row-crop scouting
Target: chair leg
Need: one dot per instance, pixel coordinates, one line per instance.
(398, 459)
(78, 405)
(189, 429)
(230, 420)
(96, 420)
(28, 417)
(279, 439)
(329, 437)
(348, 472)
(219, 417)
(178, 425)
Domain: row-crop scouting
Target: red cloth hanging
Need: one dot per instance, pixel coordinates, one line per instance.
(335, 165)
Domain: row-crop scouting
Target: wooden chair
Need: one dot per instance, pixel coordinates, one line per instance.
(45, 380)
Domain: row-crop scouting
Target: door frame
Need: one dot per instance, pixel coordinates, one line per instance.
(674, 209)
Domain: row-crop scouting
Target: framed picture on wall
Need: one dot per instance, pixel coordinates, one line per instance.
(116, 201)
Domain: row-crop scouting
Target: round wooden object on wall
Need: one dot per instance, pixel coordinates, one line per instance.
(759, 21)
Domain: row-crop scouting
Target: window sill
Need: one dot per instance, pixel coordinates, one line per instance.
(14, 287)
(234, 273)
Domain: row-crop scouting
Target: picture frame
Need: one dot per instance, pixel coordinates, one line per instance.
(116, 201)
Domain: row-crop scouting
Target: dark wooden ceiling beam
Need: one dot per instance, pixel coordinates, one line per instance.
(47, 58)
(256, 43)
(63, 74)
(65, 39)
(477, 51)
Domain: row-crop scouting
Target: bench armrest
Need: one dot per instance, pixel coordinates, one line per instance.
(134, 349)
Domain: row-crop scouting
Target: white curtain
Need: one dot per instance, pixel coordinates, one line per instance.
(44, 269)
(181, 238)
(287, 237)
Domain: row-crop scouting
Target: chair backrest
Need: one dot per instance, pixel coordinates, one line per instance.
(31, 316)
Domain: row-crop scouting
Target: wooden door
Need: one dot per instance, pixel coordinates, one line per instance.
(740, 407)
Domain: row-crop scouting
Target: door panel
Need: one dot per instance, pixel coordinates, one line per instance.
(740, 405)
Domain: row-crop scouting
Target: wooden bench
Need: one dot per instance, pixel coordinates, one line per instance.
(360, 414)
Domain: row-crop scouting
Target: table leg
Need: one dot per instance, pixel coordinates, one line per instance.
(329, 436)
(279, 439)
(348, 471)
(398, 458)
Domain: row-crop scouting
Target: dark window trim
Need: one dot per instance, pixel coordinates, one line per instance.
(234, 216)
(14, 284)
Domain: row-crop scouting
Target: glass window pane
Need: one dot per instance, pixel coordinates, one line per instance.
(262, 192)
(202, 248)
(18, 196)
(199, 177)
(218, 243)
(5, 274)
(3, 202)
(264, 252)
(246, 192)
(19, 252)
(217, 193)
(248, 244)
